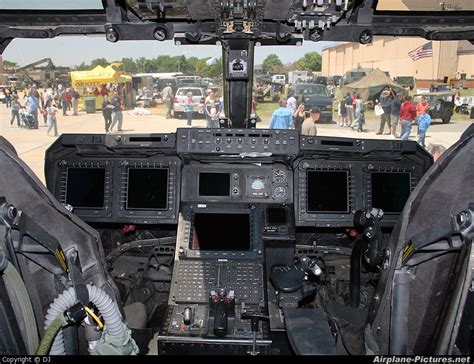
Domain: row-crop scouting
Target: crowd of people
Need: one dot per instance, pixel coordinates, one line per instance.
(45, 104)
(292, 116)
(393, 109)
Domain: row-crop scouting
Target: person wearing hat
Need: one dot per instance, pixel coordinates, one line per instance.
(309, 125)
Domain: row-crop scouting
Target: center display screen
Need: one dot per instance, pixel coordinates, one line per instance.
(214, 184)
(328, 191)
(217, 231)
(86, 187)
(390, 191)
(147, 188)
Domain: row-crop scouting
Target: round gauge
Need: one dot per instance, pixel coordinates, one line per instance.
(280, 192)
(257, 184)
(279, 176)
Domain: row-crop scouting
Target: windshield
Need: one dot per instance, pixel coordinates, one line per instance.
(140, 71)
(311, 90)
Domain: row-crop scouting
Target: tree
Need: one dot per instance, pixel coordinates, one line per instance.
(9, 63)
(214, 70)
(310, 62)
(270, 62)
(129, 65)
(82, 67)
(99, 62)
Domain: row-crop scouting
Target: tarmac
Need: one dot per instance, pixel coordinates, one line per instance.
(31, 145)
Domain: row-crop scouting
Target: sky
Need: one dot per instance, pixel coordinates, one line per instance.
(73, 50)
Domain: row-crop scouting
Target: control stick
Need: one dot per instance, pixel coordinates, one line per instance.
(254, 318)
(222, 304)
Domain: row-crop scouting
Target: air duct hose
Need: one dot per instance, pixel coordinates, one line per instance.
(107, 307)
(50, 334)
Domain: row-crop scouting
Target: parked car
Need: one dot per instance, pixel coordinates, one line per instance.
(312, 94)
(264, 78)
(321, 80)
(281, 79)
(441, 104)
(181, 95)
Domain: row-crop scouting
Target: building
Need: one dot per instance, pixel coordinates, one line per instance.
(453, 60)
(3, 78)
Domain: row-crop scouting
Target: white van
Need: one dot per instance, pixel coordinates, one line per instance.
(279, 79)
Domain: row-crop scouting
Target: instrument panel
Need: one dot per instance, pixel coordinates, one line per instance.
(270, 183)
(299, 181)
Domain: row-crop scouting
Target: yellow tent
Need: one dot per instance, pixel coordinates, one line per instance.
(96, 77)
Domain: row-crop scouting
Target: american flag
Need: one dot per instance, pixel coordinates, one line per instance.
(422, 51)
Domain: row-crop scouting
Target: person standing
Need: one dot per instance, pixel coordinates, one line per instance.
(385, 101)
(75, 101)
(117, 112)
(189, 107)
(63, 98)
(52, 121)
(349, 110)
(167, 97)
(299, 117)
(343, 110)
(422, 107)
(407, 115)
(424, 121)
(68, 99)
(8, 97)
(309, 125)
(107, 109)
(359, 114)
(15, 110)
(395, 114)
(212, 110)
(281, 117)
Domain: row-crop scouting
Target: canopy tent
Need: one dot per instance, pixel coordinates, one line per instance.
(85, 82)
(370, 86)
(98, 76)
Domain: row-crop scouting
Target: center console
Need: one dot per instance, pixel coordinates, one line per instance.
(218, 282)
